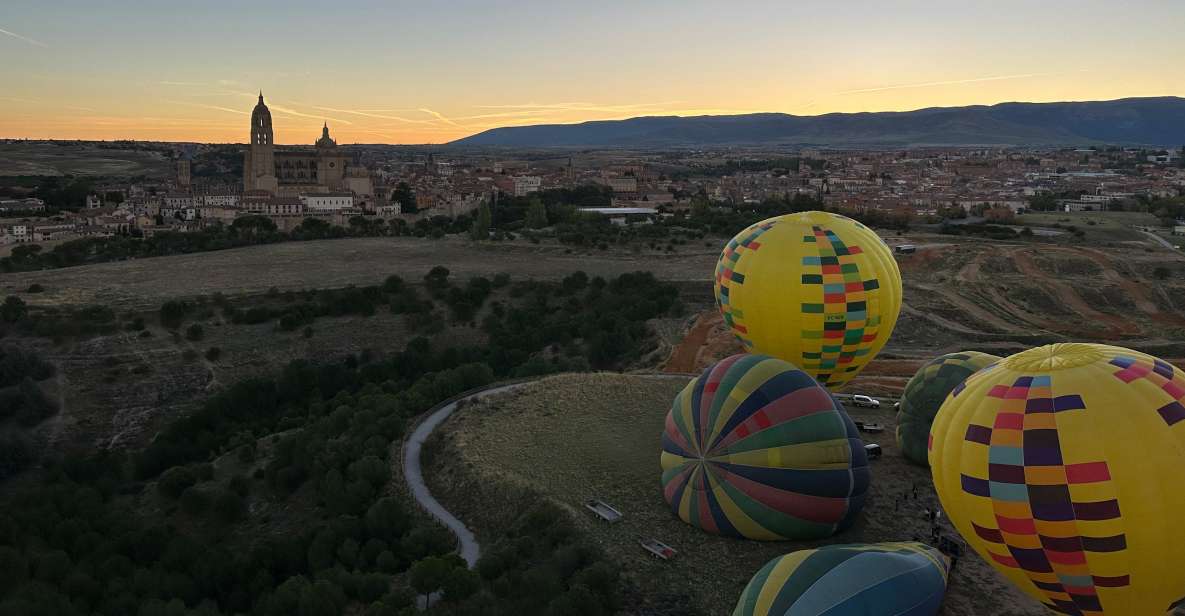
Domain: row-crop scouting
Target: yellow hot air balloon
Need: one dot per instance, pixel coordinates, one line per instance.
(816, 289)
(1062, 466)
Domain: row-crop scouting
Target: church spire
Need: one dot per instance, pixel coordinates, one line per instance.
(261, 97)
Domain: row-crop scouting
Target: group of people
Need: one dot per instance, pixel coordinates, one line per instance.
(934, 517)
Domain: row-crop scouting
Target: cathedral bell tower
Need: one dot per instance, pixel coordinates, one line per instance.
(259, 166)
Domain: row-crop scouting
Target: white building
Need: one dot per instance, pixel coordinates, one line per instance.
(327, 202)
(627, 184)
(178, 201)
(228, 200)
(526, 184)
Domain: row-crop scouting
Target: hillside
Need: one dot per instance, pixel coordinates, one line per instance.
(1159, 121)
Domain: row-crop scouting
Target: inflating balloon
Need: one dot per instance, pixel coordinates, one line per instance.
(755, 448)
(880, 579)
(926, 391)
(818, 290)
(1062, 466)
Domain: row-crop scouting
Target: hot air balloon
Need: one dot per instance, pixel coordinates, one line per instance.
(880, 579)
(1061, 466)
(924, 394)
(755, 448)
(818, 290)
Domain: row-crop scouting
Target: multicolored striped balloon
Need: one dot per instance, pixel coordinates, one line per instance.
(816, 289)
(1062, 466)
(925, 393)
(755, 448)
(880, 579)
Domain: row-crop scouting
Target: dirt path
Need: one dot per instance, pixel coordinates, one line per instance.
(1135, 290)
(1113, 326)
(683, 357)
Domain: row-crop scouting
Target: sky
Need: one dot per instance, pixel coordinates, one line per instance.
(396, 71)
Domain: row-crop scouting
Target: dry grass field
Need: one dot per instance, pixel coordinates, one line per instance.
(73, 159)
(571, 438)
(332, 264)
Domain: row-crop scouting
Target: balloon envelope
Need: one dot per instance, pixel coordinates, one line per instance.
(925, 393)
(882, 579)
(755, 448)
(818, 290)
(1061, 466)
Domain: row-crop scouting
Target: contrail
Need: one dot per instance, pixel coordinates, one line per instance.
(22, 38)
(439, 116)
(371, 114)
(929, 84)
(214, 107)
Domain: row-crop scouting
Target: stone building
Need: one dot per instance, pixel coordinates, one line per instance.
(291, 172)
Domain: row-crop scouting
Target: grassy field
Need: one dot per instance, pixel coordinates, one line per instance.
(1098, 226)
(333, 264)
(576, 437)
(47, 159)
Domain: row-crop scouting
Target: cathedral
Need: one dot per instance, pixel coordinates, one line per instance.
(293, 172)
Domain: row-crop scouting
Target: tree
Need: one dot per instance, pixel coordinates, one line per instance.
(536, 214)
(481, 224)
(1160, 272)
(194, 332)
(405, 197)
(1043, 202)
(428, 575)
(14, 309)
(460, 583)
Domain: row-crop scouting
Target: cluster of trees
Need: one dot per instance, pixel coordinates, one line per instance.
(271, 499)
(704, 218)
(23, 403)
(55, 322)
(792, 164)
(244, 231)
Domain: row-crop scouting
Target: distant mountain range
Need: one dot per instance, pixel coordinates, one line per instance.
(1149, 121)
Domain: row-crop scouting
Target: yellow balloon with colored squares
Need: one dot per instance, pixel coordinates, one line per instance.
(1062, 467)
(816, 289)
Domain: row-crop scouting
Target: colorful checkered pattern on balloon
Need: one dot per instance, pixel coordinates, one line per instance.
(847, 331)
(727, 277)
(1039, 524)
(1161, 374)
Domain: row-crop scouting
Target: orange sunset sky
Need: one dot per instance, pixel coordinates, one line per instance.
(429, 72)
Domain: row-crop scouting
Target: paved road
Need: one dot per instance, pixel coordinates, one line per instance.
(1158, 239)
(413, 474)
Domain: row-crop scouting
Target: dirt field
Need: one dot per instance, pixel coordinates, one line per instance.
(47, 159)
(577, 437)
(334, 263)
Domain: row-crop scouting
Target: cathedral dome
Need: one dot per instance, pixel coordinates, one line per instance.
(325, 141)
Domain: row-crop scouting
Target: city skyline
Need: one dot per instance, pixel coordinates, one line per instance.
(395, 72)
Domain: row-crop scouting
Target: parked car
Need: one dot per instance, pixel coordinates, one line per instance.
(865, 401)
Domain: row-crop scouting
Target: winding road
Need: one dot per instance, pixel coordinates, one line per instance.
(413, 473)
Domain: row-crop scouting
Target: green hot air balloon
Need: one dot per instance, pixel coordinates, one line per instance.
(879, 579)
(925, 393)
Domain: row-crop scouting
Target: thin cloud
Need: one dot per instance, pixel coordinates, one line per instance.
(439, 116)
(214, 107)
(23, 38)
(187, 84)
(952, 82)
(580, 106)
(371, 114)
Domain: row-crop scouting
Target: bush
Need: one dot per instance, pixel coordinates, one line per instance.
(173, 312)
(16, 454)
(213, 353)
(194, 501)
(35, 288)
(175, 481)
(194, 332)
(229, 506)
